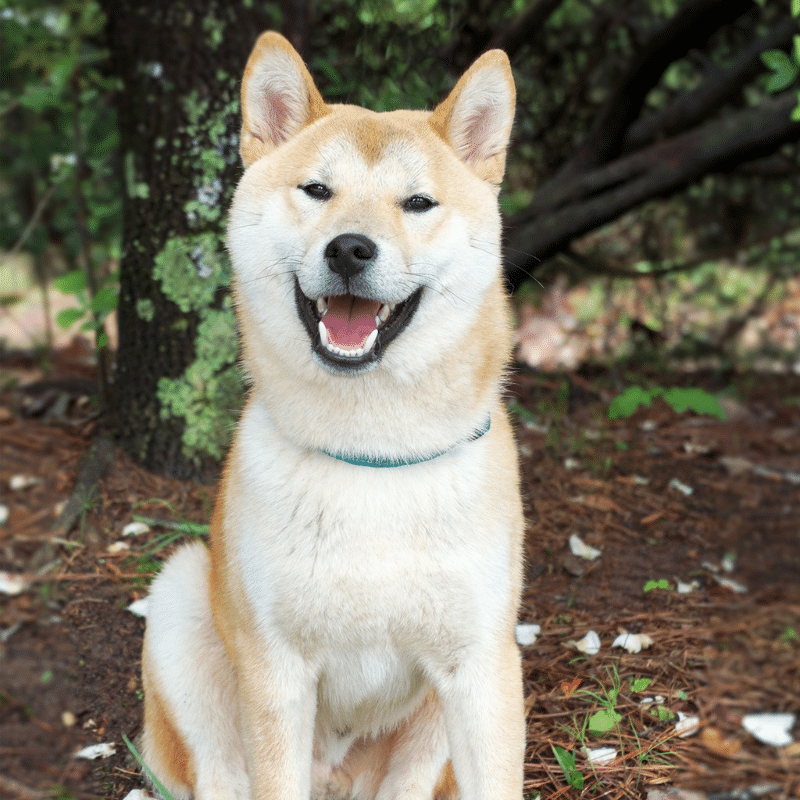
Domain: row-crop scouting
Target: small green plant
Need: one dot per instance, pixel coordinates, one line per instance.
(93, 306)
(639, 684)
(785, 68)
(662, 583)
(606, 718)
(680, 400)
(566, 761)
(789, 634)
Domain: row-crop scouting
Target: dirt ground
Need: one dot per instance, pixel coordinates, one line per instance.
(665, 497)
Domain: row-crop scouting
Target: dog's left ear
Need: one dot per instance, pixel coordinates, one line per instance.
(476, 118)
(279, 97)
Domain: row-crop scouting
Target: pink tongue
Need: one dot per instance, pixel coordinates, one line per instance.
(350, 320)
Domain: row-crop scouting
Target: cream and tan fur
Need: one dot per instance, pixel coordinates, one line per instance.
(350, 634)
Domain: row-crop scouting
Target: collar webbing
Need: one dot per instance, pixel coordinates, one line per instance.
(366, 461)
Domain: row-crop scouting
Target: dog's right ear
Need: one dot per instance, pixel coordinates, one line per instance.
(279, 97)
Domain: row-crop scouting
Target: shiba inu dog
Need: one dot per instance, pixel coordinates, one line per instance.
(350, 633)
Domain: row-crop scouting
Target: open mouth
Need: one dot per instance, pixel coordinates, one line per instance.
(347, 331)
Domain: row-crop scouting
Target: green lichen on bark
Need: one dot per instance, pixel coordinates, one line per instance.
(209, 394)
(194, 272)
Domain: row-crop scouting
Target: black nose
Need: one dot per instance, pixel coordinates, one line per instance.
(348, 254)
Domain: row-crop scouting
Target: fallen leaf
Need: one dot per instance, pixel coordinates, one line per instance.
(138, 794)
(601, 755)
(659, 699)
(651, 518)
(681, 487)
(632, 642)
(582, 550)
(675, 793)
(94, 751)
(135, 529)
(729, 583)
(569, 687)
(770, 728)
(713, 739)
(598, 502)
(527, 633)
(19, 482)
(590, 644)
(12, 584)
(736, 465)
(686, 726)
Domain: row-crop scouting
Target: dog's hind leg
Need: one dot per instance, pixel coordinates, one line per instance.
(191, 740)
(415, 768)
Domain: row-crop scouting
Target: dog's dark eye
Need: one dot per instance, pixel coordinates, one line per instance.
(418, 203)
(319, 191)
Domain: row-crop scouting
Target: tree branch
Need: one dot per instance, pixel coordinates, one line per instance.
(689, 28)
(689, 109)
(561, 211)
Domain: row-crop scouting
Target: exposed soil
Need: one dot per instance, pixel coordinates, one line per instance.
(69, 648)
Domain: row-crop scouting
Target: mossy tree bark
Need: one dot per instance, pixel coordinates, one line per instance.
(179, 66)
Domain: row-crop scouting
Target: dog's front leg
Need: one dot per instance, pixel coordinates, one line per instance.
(277, 705)
(485, 721)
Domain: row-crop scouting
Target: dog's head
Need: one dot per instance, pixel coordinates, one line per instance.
(360, 238)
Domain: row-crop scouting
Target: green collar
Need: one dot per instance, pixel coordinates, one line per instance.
(366, 461)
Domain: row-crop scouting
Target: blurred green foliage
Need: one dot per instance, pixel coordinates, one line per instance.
(58, 129)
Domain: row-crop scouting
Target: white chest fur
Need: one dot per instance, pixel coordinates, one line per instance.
(377, 577)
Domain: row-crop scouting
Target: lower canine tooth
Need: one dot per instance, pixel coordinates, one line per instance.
(323, 333)
(370, 340)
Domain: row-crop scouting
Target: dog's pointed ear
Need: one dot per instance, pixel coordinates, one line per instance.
(476, 118)
(279, 97)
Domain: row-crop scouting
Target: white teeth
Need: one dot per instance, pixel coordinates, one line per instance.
(322, 306)
(383, 313)
(370, 341)
(323, 337)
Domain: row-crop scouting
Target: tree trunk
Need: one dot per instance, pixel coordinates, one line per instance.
(179, 66)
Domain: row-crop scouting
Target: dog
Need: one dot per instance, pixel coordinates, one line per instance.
(350, 631)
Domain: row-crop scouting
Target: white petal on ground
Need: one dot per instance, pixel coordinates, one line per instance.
(118, 547)
(135, 529)
(3, 514)
(658, 699)
(728, 562)
(19, 482)
(138, 794)
(770, 728)
(686, 726)
(728, 583)
(674, 793)
(139, 607)
(12, 584)
(590, 644)
(93, 751)
(527, 633)
(601, 755)
(681, 487)
(633, 642)
(582, 550)
(686, 588)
